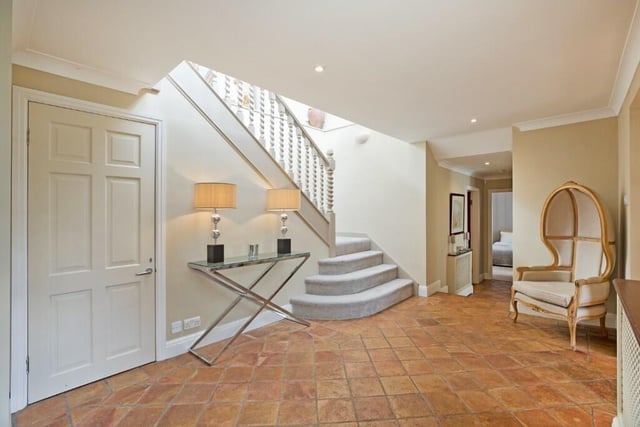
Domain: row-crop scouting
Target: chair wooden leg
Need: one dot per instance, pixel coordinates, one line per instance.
(573, 325)
(514, 304)
(603, 327)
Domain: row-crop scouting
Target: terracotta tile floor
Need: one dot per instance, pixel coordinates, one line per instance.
(438, 361)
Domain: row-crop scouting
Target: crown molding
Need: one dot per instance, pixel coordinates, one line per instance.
(629, 61)
(446, 165)
(566, 119)
(498, 177)
(69, 69)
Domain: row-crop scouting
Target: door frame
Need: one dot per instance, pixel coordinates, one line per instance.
(490, 192)
(475, 231)
(19, 277)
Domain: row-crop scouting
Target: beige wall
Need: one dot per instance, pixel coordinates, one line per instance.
(629, 182)
(440, 183)
(194, 152)
(5, 207)
(544, 159)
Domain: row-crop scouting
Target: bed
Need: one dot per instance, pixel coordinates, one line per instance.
(502, 250)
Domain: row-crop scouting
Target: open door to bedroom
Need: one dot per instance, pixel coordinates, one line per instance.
(501, 223)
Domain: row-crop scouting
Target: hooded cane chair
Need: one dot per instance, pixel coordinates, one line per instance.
(578, 231)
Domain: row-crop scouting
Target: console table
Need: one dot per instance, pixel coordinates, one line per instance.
(213, 271)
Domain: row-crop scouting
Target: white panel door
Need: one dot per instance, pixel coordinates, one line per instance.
(90, 235)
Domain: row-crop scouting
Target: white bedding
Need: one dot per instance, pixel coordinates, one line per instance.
(502, 251)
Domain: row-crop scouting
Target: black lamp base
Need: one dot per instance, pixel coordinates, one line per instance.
(284, 246)
(215, 253)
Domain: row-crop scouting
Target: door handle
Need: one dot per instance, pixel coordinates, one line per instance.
(146, 271)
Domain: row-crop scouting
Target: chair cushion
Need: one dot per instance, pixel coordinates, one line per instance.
(557, 293)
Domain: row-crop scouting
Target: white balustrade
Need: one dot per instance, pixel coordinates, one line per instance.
(280, 133)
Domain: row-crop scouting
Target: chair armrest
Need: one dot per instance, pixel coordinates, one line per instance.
(592, 291)
(543, 274)
(591, 281)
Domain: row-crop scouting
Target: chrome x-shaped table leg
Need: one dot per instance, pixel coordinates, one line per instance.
(245, 292)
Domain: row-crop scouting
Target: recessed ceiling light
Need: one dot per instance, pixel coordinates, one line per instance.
(487, 163)
(319, 68)
(474, 120)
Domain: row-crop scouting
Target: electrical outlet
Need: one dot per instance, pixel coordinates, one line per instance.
(192, 322)
(176, 327)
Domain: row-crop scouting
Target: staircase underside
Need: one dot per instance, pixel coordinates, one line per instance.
(351, 285)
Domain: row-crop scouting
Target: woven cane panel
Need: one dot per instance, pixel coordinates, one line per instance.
(630, 375)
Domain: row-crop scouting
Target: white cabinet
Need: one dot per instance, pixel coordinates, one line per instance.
(459, 273)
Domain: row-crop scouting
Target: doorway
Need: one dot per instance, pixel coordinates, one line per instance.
(23, 98)
(500, 219)
(91, 290)
(473, 228)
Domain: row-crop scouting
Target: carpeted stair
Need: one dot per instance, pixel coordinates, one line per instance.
(353, 284)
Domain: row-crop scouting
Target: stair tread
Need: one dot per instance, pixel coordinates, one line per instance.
(349, 244)
(349, 257)
(346, 240)
(357, 274)
(369, 294)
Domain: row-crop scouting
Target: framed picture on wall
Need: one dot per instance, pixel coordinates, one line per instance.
(456, 213)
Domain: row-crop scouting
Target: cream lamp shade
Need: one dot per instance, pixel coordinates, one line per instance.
(216, 195)
(283, 199)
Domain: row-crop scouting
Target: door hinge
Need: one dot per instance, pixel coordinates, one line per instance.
(27, 363)
(28, 136)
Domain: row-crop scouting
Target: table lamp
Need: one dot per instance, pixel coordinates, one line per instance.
(214, 195)
(283, 200)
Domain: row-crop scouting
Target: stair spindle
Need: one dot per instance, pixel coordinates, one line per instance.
(282, 137)
(210, 78)
(227, 90)
(322, 204)
(239, 99)
(252, 98)
(330, 168)
(272, 125)
(291, 131)
(315, 178)
(300, 156)
(261, 117)
(307, 167)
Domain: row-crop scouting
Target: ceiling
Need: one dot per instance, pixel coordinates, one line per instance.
(416, 70)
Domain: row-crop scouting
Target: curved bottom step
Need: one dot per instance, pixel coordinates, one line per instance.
(354, 306)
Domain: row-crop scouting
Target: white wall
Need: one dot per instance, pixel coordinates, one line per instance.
(380, 191)
(501, 212)
(5, 208)
(195, 152)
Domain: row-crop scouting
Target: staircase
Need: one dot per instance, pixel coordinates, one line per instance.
(353, 284)
(258, 124)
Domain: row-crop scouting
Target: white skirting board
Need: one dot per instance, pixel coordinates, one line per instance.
(181, 345)
(434, 287)
(466, 291)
